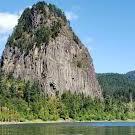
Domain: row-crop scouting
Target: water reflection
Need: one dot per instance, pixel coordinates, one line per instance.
(66, 129)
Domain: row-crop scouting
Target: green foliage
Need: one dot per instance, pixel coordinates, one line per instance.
(42, 35)
(40, 7)
(25, 21)
(25, 34)
(24, 24)
(57, 11)
(22, 32)
(20, 101)
(55, 29)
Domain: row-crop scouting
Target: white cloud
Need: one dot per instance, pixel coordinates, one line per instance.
(71, 16)
(7, 22)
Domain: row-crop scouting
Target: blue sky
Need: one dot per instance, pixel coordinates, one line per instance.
(106, 27)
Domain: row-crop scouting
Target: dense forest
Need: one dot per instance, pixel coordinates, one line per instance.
(21, 101)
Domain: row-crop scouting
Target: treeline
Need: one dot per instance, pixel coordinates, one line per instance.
(20, 101)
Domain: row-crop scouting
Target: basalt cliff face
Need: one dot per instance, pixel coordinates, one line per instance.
(44, 48)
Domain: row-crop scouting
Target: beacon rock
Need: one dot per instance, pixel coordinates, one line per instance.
(44, 48)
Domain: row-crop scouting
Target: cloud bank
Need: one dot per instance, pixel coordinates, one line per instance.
(7, 22)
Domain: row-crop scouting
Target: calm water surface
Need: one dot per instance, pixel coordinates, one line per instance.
(97, 128)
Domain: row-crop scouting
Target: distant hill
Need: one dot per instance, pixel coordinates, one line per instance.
(117, 86)
(131, 75)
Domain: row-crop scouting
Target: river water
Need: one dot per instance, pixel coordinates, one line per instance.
(87, 128)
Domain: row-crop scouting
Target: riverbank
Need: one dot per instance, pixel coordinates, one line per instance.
(38, 121)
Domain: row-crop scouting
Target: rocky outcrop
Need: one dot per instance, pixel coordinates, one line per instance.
(59, 63)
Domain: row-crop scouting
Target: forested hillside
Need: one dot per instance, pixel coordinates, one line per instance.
(117, 86)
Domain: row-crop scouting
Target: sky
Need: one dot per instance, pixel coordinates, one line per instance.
(106, 27)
